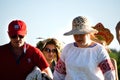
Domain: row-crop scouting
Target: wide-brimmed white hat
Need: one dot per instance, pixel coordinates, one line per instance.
(81, 25)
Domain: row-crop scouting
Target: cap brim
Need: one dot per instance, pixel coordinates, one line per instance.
(17, 33)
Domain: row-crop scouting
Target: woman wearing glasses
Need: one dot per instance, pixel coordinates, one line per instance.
(51, 49)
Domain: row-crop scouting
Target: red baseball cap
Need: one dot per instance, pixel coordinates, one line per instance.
(17, 27)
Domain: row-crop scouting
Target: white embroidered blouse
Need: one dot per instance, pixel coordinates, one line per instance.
(92, 63)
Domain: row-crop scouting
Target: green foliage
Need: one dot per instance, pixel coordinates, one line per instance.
(116, 55)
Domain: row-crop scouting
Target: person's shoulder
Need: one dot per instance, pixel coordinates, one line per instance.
(4, 46)
(69, 44)
(99, 47)
(31, 47)
(31, 50)
(98, 44)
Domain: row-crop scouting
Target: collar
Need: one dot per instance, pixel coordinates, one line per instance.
(24, 47)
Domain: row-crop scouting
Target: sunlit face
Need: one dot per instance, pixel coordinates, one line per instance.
(81, 39)
(50, 52)
(17, 41)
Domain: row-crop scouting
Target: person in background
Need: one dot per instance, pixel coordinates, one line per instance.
(18, 58)
(117, 29)
(51, 49)
(84, 59)
(104, 36)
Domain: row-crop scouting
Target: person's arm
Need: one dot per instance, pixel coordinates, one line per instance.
(105, 64)
(107, 69)
(42, 63)
(48, 72)
(60, 71)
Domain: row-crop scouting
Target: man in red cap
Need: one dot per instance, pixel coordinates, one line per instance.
(17, 58)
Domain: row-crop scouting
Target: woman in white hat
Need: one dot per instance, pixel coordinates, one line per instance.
(84, 59)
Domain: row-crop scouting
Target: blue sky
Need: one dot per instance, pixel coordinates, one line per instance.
(52, 18)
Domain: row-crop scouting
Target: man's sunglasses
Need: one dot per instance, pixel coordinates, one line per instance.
(15, 36)
(49, 50)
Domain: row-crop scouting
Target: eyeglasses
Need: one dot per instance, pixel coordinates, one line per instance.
(15, 36)
(49, 50)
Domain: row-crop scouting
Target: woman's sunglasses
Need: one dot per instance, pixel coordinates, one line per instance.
(15, 36)
(49, 50)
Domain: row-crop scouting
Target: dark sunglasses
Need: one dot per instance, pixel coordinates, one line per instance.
(49, 50)
(15, 36)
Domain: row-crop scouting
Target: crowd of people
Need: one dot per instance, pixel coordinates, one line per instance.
(87, 58)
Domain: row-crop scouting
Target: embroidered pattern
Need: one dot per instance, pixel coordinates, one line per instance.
(60, 67)
(106, 65)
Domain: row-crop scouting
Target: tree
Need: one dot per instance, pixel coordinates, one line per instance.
(116, 55)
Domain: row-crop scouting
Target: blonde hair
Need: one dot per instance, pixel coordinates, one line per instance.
(103, 42)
